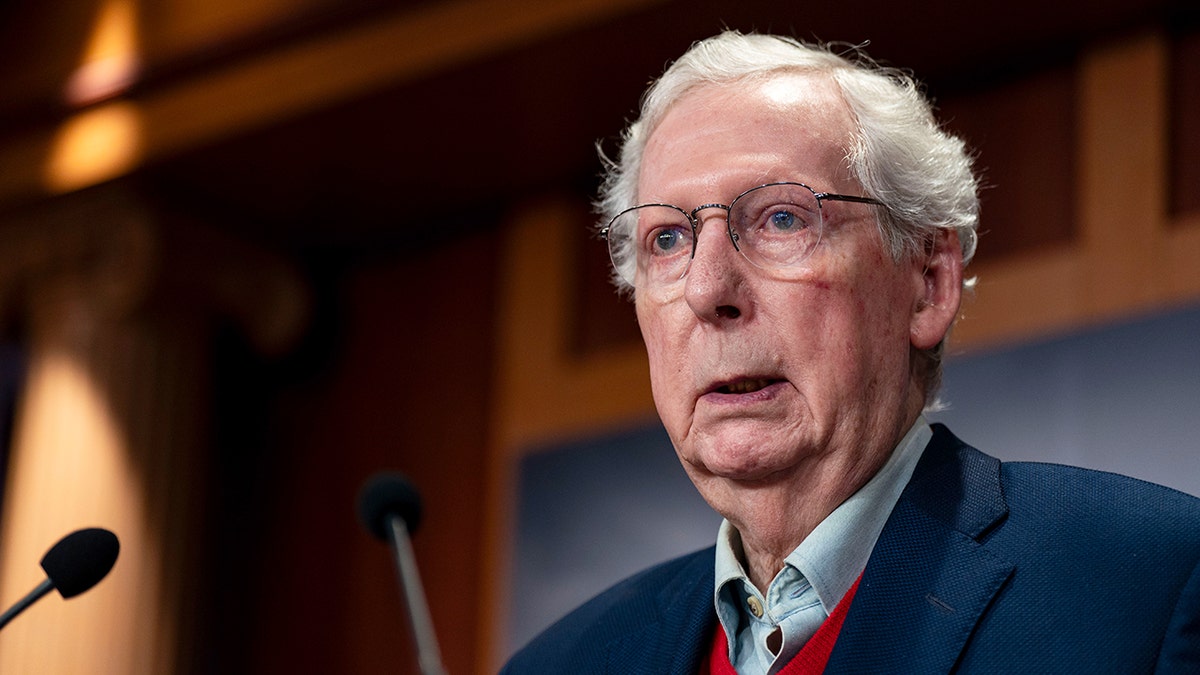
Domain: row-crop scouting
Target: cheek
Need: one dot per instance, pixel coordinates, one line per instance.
(652, 332)
(670, 367)
(664, 348)
(861, 316)
(881, 306)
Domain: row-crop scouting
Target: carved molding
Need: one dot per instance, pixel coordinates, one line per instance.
(118, 253)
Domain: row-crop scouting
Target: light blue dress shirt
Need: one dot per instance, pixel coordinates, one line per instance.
(764, 633)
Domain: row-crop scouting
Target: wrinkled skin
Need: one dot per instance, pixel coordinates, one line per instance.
(819, 356)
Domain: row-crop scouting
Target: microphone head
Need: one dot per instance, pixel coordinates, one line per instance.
(388, 494)
(80, 560)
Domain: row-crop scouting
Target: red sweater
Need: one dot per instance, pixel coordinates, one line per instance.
(811, 658)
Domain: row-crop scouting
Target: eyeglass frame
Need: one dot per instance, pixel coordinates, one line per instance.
(733, 237)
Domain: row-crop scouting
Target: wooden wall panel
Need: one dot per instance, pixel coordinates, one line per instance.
(1022, 134)
(407, 387)
(1185, 122)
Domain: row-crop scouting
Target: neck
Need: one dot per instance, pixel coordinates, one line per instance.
(773, 522)
(773, 518)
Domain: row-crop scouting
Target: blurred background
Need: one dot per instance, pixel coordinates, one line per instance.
(253, 252)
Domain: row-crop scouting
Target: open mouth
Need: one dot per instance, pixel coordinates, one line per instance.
(745, 386)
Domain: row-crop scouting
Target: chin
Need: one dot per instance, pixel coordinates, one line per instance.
(742, 464)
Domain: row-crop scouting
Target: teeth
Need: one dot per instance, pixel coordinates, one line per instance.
(745, 386)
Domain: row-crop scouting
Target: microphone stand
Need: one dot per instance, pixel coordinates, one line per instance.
(36, 594)
(428, 655)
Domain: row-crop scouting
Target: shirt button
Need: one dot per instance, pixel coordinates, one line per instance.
(755, 606)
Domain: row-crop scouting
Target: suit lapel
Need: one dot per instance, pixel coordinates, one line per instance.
(680, 636)
(929, 579)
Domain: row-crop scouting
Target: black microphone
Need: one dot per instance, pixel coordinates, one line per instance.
(76, 563)
(390, 509)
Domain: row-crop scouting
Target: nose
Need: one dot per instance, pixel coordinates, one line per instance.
(715, 286)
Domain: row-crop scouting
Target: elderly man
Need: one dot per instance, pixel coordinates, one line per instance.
(793, 227)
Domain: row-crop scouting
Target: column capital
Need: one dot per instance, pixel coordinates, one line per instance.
(116, 252)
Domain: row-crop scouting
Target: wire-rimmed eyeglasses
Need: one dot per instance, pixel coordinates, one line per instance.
(773, 225)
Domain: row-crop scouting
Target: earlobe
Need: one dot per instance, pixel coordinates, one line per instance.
(937, 304)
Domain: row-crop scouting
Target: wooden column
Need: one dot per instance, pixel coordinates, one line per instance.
(110, 428)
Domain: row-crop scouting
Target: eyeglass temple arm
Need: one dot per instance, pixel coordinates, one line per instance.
(846, 198)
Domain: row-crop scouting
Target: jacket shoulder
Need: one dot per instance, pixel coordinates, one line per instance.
(1073, 502)
(1053, 559)
(1060, 499)
(579, 642)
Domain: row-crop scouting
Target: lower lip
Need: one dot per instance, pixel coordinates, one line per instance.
(767, 393)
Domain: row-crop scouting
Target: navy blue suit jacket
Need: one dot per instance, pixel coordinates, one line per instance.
(982, 567)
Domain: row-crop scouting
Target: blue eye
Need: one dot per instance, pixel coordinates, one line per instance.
(667, 239)
(784, 221)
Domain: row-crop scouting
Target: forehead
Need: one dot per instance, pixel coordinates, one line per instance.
(731, 136)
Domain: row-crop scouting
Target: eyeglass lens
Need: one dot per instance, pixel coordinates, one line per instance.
(777, 225)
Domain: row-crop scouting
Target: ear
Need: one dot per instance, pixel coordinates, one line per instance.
(940, 294)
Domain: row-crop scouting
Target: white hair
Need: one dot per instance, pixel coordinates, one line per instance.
(898, 152)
